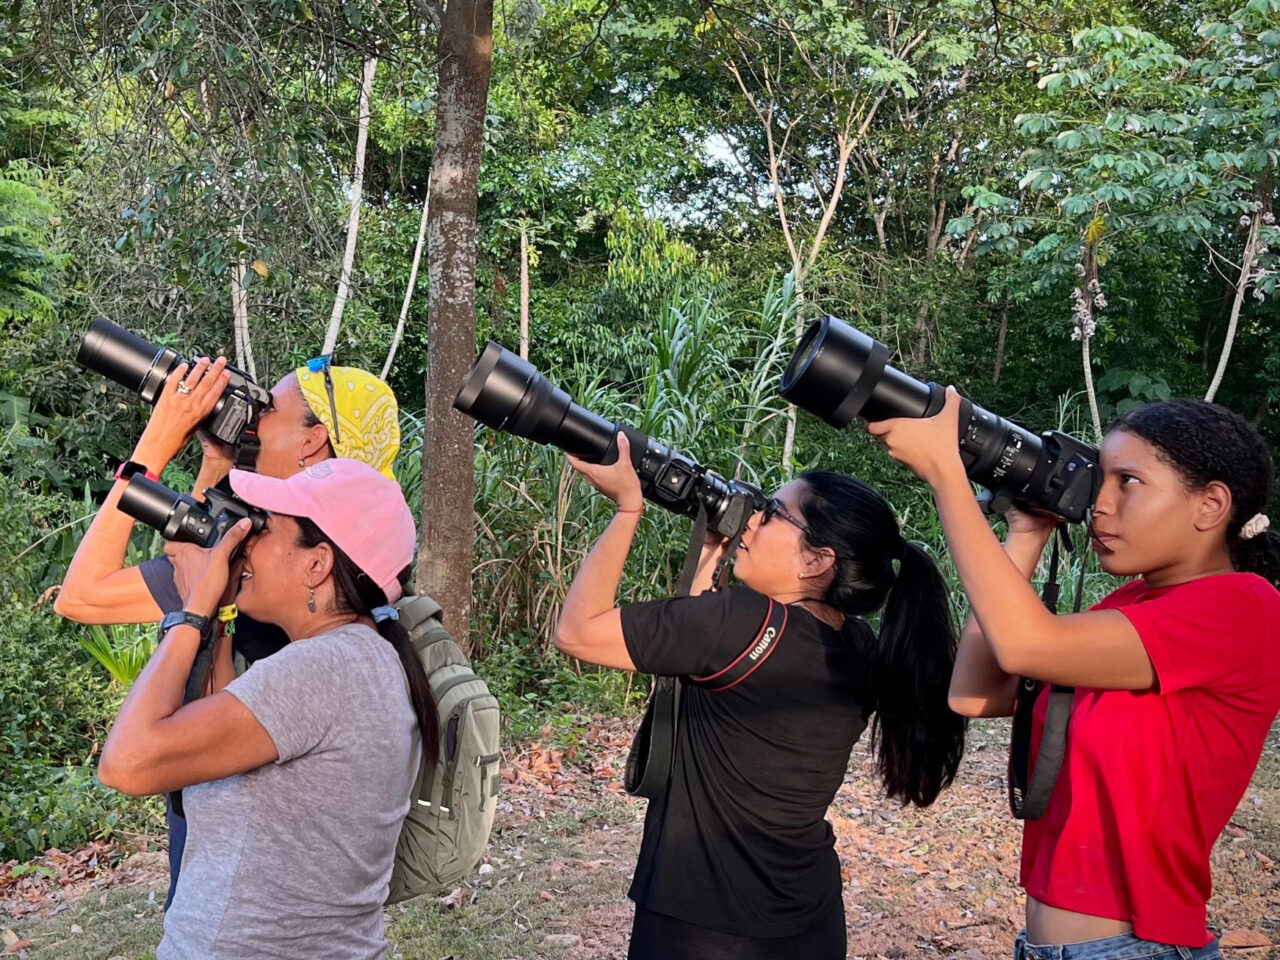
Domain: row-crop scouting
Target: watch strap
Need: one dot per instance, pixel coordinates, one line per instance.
(179, 617)
(129, 468)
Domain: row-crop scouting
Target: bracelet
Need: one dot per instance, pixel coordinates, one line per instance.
(636, 510)
(131, 468)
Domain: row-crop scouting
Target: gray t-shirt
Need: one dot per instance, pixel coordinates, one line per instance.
(293, 859)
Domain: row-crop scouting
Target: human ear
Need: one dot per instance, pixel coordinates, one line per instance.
(314, 441)
(817, 561)
(319, 565)
(1214, 508)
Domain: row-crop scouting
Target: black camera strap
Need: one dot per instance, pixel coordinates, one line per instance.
(653, 748)
(1029, 792)
(197, 682)
(247, 447)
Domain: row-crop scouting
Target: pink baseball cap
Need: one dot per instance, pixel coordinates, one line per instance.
(359, 509)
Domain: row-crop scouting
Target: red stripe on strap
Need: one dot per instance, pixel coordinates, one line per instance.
(768, 653)
(751, 646)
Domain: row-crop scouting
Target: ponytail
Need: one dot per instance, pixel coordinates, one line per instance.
(355, 592)
(917, 738)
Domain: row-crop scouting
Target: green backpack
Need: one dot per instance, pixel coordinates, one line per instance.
(452, 805)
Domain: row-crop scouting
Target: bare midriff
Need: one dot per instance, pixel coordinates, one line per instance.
(1046, 924)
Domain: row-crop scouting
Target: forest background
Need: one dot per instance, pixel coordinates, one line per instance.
(1063, 208)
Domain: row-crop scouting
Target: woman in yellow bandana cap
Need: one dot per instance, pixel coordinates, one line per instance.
(296, 431)
(368, 419)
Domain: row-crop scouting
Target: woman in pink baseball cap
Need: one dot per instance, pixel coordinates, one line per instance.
(295, 776)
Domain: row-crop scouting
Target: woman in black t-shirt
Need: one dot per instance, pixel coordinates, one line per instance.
(737, 860)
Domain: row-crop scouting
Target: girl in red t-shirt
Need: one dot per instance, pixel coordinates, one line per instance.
(1175, 673)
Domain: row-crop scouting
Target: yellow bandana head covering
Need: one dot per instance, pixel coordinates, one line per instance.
(368, 416)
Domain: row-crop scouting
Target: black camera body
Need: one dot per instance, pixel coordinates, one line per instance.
(838, 373)
(506, 393)
(143, 367)
(182, 518)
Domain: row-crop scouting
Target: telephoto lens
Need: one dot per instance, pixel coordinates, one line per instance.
(143, 367)
(181, 517)
(838, 373)
(506, 393)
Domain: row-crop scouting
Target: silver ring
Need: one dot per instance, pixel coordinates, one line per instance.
(183, 388)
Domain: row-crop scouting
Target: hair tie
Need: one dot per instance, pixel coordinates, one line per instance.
(384, 613)
(1255, 525)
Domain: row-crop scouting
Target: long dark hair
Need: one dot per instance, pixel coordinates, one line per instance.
(917, 738)
(1205, 442)
(355, 592)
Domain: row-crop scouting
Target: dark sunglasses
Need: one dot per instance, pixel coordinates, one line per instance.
(774, 508)
(315, 365)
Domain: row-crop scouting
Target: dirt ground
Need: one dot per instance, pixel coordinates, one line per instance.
(934, 883)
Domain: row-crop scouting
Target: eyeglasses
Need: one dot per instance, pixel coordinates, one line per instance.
(774, 508)
(315, 365)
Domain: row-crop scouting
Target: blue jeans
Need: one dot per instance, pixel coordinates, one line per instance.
(1124, 947)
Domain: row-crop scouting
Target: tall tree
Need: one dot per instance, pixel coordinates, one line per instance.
(448, 480)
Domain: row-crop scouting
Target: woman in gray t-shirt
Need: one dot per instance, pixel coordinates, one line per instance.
(295, 776)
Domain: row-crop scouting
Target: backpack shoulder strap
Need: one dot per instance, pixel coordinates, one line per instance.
(757, 652)
(415, 611)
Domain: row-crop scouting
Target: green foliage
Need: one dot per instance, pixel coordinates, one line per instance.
(54, 711)
(123, 649)
(145, 150)
(28, 272)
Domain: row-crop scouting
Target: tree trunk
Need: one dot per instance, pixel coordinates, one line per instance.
(240, 311)
(408, 292)
(789, 435)
(353, 220)
(448, 450)
(1004, 332)
(524, 292)
(1242, 284)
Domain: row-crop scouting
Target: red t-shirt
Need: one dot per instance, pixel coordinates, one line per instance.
(1150, 779)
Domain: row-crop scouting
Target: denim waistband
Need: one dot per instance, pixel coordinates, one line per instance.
(1123, 947)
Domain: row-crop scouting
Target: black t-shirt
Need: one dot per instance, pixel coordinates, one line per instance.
(740, 844)
(252, 638)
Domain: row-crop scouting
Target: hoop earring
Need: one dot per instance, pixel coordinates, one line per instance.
(311, 599)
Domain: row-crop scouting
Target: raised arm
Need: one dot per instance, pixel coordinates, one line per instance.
(98, 588)
(979, 686)
(157, 743)
(1099, 649)
(590, 626)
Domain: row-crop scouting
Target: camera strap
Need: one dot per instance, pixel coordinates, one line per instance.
(197, 682)
(653, 748)
(1029, 792)
(246, 449)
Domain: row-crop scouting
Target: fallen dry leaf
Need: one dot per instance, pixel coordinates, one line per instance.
(455, 899)
(19, 945)
(1245, 938)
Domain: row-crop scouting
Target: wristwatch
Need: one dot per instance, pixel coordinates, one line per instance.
(130, 468)
(179, 617)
